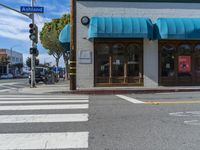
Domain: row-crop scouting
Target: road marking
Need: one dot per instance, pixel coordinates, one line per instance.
(44, 98)
(43, 118)
(7, 90)
(44, 107)
(44, 101)
(192, 122)
(132, 100)
(62, 140)
(172, 102)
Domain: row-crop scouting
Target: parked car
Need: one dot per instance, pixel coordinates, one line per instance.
(7, 76)
(25, 75)
(40, 75)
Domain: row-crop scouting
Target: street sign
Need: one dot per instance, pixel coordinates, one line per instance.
(29, 9)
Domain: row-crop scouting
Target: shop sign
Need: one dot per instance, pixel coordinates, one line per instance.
(85, 57)
(184, 64)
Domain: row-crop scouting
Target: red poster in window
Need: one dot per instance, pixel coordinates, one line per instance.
(184, 64)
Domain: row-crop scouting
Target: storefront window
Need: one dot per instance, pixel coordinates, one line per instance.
(184, 60)
(168, 60)
(197, 61)
(118, 51)
(102, 64)
(118, 62)
(133, 59)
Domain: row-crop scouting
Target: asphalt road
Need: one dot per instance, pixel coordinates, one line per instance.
(12, 85)
(169, 121)
(117, 124)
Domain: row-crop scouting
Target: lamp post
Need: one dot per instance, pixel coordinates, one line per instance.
(73, 45)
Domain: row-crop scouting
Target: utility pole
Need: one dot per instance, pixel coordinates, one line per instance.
(33, 55)
(73, 44)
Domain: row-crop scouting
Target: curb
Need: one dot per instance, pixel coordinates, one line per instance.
(126, 91)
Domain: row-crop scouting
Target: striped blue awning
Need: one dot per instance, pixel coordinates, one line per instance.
(64, 36)
(120, 27)
(177, 28)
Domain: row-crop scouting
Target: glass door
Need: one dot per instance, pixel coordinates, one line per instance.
(134, 61)
(102, 63)
(118, 60)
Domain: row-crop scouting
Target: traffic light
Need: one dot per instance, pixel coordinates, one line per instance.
(33, 32)
(34, 51)
(37, 61)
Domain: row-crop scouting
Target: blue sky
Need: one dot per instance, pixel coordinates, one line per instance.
(14, 27)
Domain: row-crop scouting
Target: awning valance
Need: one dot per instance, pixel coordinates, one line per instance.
(120, 27)
(64, 36)
(177, 28)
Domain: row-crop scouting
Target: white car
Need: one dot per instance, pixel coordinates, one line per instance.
(7, 76)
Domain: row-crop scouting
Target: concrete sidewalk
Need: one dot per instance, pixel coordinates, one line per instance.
(62, 87)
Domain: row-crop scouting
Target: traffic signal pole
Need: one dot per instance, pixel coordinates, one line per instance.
(34, 40)
(33, 55)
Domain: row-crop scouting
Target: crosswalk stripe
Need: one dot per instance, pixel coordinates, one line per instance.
(43, 118)
(44, 107)
(62, 140)
(44, 101)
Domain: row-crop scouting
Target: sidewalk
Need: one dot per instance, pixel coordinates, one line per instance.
(60, 87)
(63, 88)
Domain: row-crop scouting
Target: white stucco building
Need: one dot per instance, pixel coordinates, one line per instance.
(15, 58)
(138, 43)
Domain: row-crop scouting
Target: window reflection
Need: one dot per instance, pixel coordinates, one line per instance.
(118, 60)
(167, 60)
(102, 60)
(133, 60)
(184, 60)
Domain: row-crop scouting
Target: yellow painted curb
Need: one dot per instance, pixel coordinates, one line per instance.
(173, 102)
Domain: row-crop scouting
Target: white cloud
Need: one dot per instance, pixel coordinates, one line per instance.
(16, 26)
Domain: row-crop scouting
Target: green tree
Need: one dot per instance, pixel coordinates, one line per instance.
(49, 37)
(4, 60)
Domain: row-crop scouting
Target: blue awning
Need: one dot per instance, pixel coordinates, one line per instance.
(120, 27)
(178, 28)
(64, 36)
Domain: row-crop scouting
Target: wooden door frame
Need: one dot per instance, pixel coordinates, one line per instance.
(177, 43)
(126, 42)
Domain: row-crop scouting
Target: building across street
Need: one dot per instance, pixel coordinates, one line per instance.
(137, 43)
(15, 64)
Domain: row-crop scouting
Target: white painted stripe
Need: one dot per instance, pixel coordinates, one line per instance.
(43, 98)
(5, 90)
(132, 100)
(44, 101)
(44, 140)
(43, 118)
(44, 107)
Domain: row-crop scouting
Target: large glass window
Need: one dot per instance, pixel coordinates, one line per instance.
(118, 62)
(197, 61)
(168, 60)
(184, 60)
(102, 62)
(118, 51)
(179, 62)
(133, 51)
